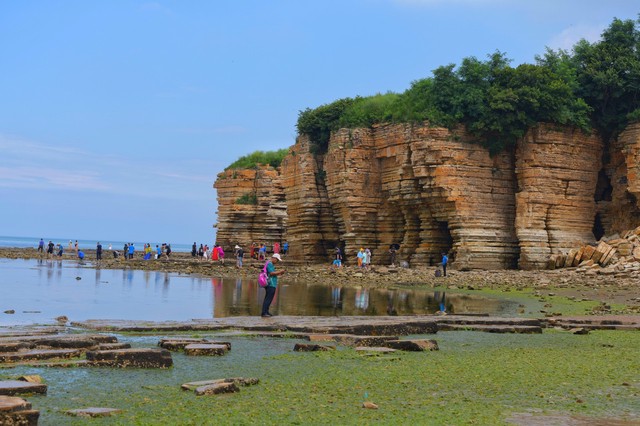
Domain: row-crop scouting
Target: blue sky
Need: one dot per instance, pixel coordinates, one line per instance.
(116, 116)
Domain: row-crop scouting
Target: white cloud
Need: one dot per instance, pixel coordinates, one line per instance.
(50, 178)
(568, 37)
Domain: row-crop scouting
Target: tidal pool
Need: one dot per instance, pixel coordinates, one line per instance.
(40, 290)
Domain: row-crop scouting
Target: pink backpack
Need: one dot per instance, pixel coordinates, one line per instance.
(263, 278)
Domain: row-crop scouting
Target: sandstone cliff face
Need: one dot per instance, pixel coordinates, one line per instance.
(431, 191)
(260, 217)
(426, 189)
(619, 185)
(557, 171)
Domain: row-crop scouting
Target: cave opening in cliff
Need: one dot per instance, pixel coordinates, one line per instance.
(598, 228)
(444, 244)
(604, 189)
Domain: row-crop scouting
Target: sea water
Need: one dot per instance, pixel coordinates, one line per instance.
(39, 290)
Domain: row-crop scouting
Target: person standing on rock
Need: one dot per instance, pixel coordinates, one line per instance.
(98, 251)
(239, 256)
(285, 247)
(41, 246)
(194, 250)
(272, 283)
(445, 260)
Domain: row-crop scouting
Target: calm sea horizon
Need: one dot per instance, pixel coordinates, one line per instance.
(26, 242)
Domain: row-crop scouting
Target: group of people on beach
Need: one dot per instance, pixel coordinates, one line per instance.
(216, 254)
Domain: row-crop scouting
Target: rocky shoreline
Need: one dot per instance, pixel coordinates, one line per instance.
(571, 282)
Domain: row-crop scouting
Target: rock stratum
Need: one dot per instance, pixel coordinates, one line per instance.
(431, 190)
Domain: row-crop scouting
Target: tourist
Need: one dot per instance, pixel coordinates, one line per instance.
(125, 251)
(158, 252)
(272, 284)
(41, 246)
(76, 246)
(60, 250)
(80, 254)
(365, 259)
(276, 247)
(215, 255)
(368, 253)
(205, 253)
(360, 256)
(132, 250)
(200, 252)
(98, 251)
(239, 256)
(392, 255)
(50, 247)
(285, 247)
(262, 252)
(337, 263)
(252, 251)
(221, 254)
(445, 260)
(194, 250)
(70, 244)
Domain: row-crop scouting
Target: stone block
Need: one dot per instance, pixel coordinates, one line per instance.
(306, 347)
(137, 358)
(200, 349)
(16, 411)
(239, 381)
(217, 388)
(17, 387)
(414, 345)
(39, 354)
(93, 412)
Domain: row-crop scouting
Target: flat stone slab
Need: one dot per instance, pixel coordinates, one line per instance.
(199, 349)
(137, 358)
(93, 412)
(493, 328)
(178, 344)
(16, 387)
(609, 322)
(17, 411)
(60, 341)
(39, 354)
(413, 345)
(217, 388)
(111, 346)
(239, 381)
(15, 346)
(309, 347)
(351, 339)
(375, 349)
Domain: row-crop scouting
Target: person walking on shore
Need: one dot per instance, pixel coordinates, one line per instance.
(272, 284)
(98, 251)
(194, 250)
(41, 246)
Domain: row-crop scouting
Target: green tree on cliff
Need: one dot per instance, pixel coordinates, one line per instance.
(597, 85)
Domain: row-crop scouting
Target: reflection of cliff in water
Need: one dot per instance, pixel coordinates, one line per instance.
(241, 297)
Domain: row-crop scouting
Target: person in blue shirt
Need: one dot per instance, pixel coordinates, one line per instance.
(272, 283)
(445, 260)
(41, 246)
(132, 250)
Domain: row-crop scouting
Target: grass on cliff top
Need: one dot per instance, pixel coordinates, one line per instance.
(264, 158)
(475, 378)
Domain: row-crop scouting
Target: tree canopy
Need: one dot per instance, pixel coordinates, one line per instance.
(597, 85)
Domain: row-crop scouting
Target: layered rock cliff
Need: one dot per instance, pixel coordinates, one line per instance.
(251, 207)
(431, 190)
